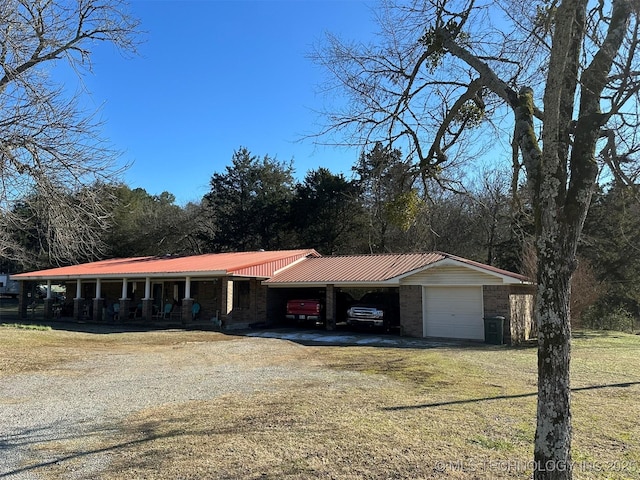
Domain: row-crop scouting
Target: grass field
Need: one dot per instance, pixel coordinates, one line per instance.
(462, 413)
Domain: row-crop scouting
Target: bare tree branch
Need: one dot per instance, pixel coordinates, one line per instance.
(51, 153)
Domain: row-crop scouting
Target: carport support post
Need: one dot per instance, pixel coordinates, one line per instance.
(226, 299)
(48, 302)
(330, 306)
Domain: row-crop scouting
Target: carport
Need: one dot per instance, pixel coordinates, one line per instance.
(440, 295)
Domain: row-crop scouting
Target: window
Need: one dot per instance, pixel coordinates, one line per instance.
(241, 294)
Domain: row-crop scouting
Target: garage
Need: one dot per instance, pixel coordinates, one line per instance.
(438, 295)
(453, 312)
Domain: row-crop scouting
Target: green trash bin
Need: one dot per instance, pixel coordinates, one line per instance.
(493, 330)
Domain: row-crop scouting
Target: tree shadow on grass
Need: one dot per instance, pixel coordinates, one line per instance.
(39, 435)
(106, 438)
(503, 397)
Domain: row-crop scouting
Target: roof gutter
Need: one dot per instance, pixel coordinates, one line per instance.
(119, 276)
(351, 283)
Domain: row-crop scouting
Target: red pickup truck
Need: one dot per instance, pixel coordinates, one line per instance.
(309, 310)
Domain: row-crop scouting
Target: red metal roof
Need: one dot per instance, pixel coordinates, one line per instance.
(370, 268)
(355, 268)
(250, 264)
(279, 267)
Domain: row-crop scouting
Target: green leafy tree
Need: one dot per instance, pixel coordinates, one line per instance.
(248, 205)
(327, 213)
(390, 197)
(144, 224)
(445, 78)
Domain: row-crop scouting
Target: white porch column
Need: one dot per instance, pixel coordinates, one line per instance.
(187, 287)
(227, 296)
(124, 289)
(98, 288)
(49, 296)
(78, 289)
(147, 288)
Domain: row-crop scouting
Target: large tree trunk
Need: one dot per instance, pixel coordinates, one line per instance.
(563, 181)
(556, 243)
(552, 453)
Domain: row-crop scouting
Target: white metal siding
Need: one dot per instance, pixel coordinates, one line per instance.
(453, 312)
(451, 275)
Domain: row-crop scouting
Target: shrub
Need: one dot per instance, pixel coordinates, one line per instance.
(25, 326)
(605, 317)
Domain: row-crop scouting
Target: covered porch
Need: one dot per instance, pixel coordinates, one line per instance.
(221, 302)
(220, 290)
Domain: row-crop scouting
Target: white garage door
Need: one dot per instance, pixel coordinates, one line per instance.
(453, 312)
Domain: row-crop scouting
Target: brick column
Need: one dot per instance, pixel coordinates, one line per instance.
(125, 304)
(78, 308)
(411, 316)
(24, 299)
(330, 308)
(98, 313)
(147, 309)
(48, 308)
(185, 313)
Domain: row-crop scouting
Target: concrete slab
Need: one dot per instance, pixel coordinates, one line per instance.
(351, 338)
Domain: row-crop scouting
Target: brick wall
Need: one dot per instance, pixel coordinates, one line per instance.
(411, 310)
(515, 304)
(261, 301)
(495, 299)
(207, 294)
(241, 316)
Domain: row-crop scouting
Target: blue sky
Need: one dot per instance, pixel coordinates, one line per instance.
(212, 76)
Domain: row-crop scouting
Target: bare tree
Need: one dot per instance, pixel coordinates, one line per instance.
(562, 76)
(51, 156)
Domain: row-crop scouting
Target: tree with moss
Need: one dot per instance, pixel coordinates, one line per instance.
(555, 79)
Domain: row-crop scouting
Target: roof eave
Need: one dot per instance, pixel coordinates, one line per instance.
(347, 283)
(128, 276)
(506, 279)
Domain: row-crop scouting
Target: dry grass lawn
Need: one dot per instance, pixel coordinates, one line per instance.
(463, 413)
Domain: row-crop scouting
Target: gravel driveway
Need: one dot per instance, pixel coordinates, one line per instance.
(94, 395)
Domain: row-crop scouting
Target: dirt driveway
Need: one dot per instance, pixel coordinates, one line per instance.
(116, 404)
(63, 403)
